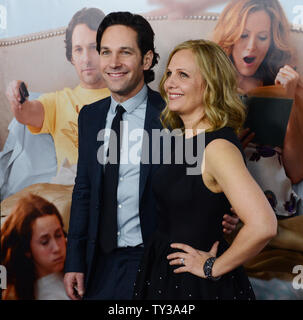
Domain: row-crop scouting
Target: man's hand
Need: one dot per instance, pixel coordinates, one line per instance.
(230, 222)
(13, 95)
(74, 285)
(245, 137)
(30, 112)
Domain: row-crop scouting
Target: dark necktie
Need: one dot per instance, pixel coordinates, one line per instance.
(108, 219)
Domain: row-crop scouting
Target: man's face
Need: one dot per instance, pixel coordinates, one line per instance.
(121, 62)
(85, 57)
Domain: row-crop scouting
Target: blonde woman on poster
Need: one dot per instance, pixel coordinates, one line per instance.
(255, 35)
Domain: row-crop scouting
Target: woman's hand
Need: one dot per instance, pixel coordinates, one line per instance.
(288, 78)
(191, 260)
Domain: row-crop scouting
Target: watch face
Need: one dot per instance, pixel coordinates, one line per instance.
(208, 265)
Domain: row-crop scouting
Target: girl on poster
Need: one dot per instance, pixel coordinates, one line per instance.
(33, 249)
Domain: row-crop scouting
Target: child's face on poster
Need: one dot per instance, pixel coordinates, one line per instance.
(250, 50)
(48, 245)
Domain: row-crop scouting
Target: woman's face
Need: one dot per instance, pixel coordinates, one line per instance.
(250, 50)
(48, 245)
(184, 84)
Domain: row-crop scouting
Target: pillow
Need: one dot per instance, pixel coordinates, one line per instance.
(26, 159)
(59, 195)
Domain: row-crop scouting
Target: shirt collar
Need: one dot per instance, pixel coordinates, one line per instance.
(131, 104)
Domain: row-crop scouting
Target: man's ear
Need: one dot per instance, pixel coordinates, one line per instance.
(28, 254)
(148, 60)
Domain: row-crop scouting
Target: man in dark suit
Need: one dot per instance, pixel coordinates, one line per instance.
(126, 46)
(113, 210)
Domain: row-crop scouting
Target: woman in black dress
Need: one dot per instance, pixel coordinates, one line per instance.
(188, 257)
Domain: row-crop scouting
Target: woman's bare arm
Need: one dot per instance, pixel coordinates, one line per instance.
(224, 162)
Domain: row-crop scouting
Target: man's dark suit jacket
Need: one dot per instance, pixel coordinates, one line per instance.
(87, 194)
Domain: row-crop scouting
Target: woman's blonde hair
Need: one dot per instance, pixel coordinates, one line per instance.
(222, 104)
(232, 22)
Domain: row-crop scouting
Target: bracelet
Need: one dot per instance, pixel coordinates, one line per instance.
(208, 266)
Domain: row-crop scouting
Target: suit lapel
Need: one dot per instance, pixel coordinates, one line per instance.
(102, 114)
(154, 107)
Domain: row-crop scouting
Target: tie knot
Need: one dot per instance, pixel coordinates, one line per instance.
(120, 110)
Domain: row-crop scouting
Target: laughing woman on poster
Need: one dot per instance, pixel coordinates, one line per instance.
(255, 35)
(33, 249)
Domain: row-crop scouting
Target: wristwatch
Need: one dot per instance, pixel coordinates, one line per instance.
(208, 266)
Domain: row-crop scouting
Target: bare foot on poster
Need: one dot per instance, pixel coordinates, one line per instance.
(178, 9)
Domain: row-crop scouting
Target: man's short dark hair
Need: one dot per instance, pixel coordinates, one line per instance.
(91, 17)
(145, 35)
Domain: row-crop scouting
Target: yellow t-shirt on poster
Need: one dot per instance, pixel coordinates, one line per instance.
(61, 110)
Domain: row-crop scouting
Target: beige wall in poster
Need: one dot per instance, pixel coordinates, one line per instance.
(39, 59)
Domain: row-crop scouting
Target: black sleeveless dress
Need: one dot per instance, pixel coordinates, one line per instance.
(188, 212)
